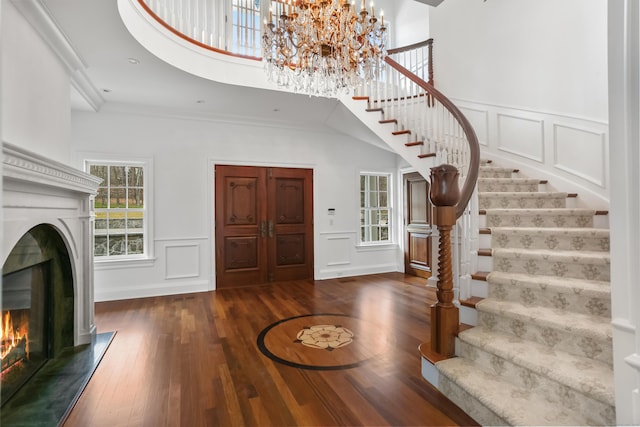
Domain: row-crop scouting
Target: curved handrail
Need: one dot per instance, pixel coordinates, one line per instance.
(414, 46)
(185, 37)
(472, 139)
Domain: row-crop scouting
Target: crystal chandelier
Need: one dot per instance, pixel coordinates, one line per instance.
(320, 47)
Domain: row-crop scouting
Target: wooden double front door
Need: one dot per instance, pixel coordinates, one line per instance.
(263, 225)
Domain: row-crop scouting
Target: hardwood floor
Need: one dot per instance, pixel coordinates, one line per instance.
(194, 360)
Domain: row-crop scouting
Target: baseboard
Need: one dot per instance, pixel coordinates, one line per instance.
(335, 273)
(151, 290)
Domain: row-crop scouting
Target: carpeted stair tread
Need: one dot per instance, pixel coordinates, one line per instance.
(594, 239)
(597, 257)
(589, 297)
(587, 376)
(508, 184)
(494, 172)
(525, 194)
(543, 212)
(522, 200)
(553, 284)
(590, 265)
(516, 405)
(591, 333)
(547, 217)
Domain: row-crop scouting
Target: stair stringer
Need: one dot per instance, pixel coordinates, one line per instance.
(358, 107)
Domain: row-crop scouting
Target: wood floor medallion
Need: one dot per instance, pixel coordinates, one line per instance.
(322, 341)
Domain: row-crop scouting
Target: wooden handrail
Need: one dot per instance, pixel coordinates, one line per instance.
(472, 139)
(414, 47)
(428, 42)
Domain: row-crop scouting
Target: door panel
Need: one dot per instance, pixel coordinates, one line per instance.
(264, 225)
(241, 248)
(291, 211)
(417, 226)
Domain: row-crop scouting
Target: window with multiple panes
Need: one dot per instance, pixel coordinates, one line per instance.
(375, 208)
(246, 38)
(120, 210)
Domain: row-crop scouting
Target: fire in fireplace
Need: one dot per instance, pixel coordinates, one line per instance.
(24, 346)
(14, 340)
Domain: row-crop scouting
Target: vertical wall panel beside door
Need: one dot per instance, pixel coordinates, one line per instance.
(264, 225)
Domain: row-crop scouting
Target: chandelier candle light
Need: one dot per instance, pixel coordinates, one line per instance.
(321, 47)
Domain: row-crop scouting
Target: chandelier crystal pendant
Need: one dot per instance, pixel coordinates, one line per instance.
(321, 47)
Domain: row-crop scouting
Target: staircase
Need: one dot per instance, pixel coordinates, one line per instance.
(541, 353)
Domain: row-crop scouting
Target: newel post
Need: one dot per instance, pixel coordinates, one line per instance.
(444, 195)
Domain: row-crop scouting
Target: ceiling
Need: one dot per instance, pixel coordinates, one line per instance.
(104, 45)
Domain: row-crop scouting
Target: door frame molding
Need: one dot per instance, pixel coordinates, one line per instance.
(211, 203)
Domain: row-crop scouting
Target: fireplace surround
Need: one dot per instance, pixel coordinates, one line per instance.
(48, 232)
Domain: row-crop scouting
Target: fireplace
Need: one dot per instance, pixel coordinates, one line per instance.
(47, 264)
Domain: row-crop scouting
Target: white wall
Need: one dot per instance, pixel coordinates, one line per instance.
(35, 90)
(184, 153)
(532, 78)
(411, 23)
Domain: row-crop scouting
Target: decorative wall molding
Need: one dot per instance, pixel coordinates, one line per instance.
(570, 151)
(479, 119)
(22, 165)
(182, 261)
(339, 249)
(522, 136)
(589, 161)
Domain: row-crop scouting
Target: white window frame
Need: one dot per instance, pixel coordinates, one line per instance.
(147, 187)
(389, 208)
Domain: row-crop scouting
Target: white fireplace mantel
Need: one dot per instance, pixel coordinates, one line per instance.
(36, 191)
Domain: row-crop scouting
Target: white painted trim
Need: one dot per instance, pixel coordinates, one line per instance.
(503, 147)
(327, 273)
(599, 181)
(133, 291)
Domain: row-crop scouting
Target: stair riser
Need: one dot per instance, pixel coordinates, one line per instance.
(587, 269)
(535, 220)
(535, 382)
(572, 342)
(485, 263)
(558, 240)
(595, 304)
(479, 288)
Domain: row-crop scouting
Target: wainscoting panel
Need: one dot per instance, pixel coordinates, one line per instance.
(338, 250)
(182, 261)
(338, 255)
(521, 136)
(480, 121)
(580, 152)
(571, 152)
(180, 266)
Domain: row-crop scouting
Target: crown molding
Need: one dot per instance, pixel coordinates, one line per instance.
(40, 18)
(21, 165)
